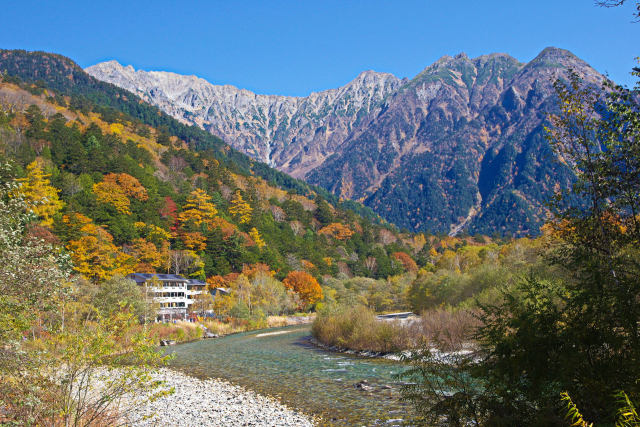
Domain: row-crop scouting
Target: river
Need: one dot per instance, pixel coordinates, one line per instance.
(281, 362)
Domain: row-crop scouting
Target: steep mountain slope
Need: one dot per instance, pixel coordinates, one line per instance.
(293, 134)
(460, 147)
(122, 196)
(82, 92)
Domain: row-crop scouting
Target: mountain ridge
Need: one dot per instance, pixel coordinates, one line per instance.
(252, 122)
(367, 139)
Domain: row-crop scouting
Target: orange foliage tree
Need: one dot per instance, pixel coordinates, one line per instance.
(148, 256)
(216, 281)
(253, 270)
(305, 285)
(337, 231)
(116, 189)
(194, 240)
(93, 253)
(228, 229)
(407, 262)
(307, 265)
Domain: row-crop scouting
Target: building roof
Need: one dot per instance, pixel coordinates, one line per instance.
(144, 277)
(196, 282)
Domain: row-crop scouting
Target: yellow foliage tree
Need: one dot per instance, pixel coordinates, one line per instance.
(110, 193)
(418, 242)
(450, 261)
(39, 194)
(194, 240)
(337, 231)
(96, 257)
(240, 209)
(255, 236)
(117, 188)
(198, 210)
(148, 256)
(222, 304)
(153, 233)
(433, 253)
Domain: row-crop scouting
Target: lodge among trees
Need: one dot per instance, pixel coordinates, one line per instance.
(172, 295)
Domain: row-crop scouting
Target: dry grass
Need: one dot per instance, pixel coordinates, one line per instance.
(445, 329)
(279, 321)
(358, 329)
(180, 332)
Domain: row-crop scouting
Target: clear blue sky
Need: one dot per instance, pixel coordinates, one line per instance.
(298, 46)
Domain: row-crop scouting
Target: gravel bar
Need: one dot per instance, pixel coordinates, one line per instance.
(212, 402)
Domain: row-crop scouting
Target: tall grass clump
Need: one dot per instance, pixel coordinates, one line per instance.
(445, 329)
(358, 329)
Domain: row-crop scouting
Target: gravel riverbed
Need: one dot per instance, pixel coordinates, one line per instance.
(212, 402)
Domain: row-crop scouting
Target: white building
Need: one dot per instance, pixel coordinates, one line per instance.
(173, 293)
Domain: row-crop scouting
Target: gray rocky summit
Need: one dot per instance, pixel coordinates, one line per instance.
(293, 134)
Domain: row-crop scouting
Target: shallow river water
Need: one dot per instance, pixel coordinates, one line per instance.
(282, 362)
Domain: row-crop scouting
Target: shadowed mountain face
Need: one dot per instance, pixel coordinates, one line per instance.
(460, 147)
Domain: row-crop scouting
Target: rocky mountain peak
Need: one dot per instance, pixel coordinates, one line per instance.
(460, 147)
(262, 126)
(551, 53)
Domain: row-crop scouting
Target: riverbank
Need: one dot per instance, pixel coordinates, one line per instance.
(392, 355)
(357, 330)
(212, 402)
(183, 332)
(340, 389)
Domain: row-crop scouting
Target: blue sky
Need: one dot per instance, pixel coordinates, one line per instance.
(299, 46)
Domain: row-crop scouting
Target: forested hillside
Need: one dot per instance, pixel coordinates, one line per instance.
(123, 196)
(85, 93)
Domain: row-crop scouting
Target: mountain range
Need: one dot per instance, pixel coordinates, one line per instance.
(458, 148)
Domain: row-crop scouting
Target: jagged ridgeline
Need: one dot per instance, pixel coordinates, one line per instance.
(65, 77)
(118, 183)
(459, 148)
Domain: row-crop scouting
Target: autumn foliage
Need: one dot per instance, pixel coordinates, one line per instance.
(407, 262)
(240, 209)
(305, 285)
(93, 252)
(40, 196)
(198, 210)
(257, 239)
(337, 231)
(116, 189)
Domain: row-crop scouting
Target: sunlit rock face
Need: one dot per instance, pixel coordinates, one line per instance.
(293, 134)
